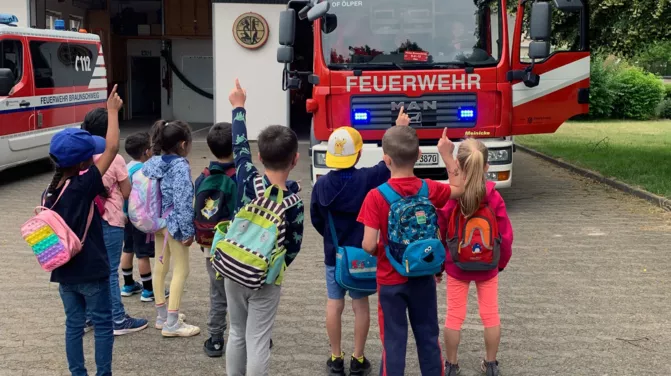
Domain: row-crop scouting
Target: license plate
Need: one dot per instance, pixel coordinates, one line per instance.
(428, 159)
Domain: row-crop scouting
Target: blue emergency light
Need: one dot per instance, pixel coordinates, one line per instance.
(59, 25)
(466, 113)
(360, 117)
(8, 19)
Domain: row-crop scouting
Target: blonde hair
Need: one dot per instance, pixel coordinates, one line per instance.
(472, 157)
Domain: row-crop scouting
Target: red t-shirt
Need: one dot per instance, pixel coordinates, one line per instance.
(375, 213)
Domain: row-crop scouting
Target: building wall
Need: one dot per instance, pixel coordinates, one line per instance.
(188, 105)
(258, 70)
(19, 8)
(65, 8)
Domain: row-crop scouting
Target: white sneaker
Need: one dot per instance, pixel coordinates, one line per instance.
(160, 321)
(180, 330)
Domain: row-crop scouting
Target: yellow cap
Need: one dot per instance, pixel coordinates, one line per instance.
(344, 146)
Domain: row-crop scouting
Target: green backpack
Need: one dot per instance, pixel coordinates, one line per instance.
(214, 203)
(252, 252)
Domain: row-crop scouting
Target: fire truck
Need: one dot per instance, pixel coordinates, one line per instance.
(49, 80)
(464, 65)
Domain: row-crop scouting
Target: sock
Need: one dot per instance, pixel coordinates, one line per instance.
(359, 359)
(334, 357)
(173, 316)
(128, 276)
(147, 282)
(162, 311)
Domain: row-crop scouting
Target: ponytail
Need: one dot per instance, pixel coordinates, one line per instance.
(167, 137)
(58, 175)
(472, 157)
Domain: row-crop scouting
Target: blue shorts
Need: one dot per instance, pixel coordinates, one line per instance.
(336, 292)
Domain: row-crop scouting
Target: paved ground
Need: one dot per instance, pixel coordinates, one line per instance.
(586, 293)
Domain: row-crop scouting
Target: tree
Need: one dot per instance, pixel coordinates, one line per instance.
(619, 27)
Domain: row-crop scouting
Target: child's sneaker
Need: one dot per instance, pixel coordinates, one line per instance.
(451, 369)
(131, 290)
(336, 366)
(214, 348)
(129, 325)
(148, 296)
(490, 368)
(181, 329)
(160, 321)
(359, 368)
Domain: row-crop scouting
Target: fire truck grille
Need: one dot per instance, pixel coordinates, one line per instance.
(427, 111)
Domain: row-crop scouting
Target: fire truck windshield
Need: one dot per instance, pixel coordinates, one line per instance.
(400, 34)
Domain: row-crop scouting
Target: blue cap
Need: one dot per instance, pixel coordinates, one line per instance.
(72, 146)
(100, 144)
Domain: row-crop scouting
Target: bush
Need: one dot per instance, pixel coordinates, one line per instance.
(637, 94)
(664, 110)
(667, 91)
(601, 94)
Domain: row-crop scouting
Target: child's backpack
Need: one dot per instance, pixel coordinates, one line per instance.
(355, 268)
(51, 239)
(131, 171)
(215, 203)
(144, 204)
(252, 252)
(474, 242)
(413, 246)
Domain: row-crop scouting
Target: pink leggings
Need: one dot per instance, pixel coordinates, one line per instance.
(457, 301)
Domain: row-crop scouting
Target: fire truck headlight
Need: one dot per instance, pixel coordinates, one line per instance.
(500, 156)
(319, 159)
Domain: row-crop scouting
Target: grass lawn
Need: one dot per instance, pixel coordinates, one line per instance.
(638, 153)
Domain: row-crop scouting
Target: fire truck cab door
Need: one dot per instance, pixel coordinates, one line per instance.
(17, 110)
(563, 89)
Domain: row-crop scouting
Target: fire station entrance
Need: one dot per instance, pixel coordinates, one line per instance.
(299, 119)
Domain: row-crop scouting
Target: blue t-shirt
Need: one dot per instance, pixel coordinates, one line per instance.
(92, 263)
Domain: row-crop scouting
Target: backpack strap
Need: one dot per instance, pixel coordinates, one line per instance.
(136, 167)
(333, 230)
(88, 222)
(389, 194)
(290, 201)
(424, 189)
(259, 185)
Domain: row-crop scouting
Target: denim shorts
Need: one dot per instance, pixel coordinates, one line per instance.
(336, 292)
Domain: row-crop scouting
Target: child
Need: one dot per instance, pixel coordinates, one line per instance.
(84, 281)
(340, 193)
(118, 188)
(220, 142)
(397, 294)
(173, 142)
(472, 159)
(138, 147)
(252, 312)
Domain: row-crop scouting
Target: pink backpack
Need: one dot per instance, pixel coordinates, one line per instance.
(53, 242)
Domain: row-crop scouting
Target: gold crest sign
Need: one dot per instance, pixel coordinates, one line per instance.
(250, 30)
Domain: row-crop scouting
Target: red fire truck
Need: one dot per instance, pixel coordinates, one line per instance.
(49, 80)
(460, 64)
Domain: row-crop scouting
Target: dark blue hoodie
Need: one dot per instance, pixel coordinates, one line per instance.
(342, 192)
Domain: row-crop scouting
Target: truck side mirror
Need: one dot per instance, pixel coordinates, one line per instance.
(285, 54)
(329, 23)
(541, 18)
(539, 50)
(319, 10)
(569, 5)
(6, 81)
(287, 27)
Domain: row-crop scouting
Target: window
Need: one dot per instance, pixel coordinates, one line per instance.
(51, 19)
(57, 64)
(76, 23)
(565, 33)
(11, 57)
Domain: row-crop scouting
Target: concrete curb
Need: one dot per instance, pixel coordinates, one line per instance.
(660, 201)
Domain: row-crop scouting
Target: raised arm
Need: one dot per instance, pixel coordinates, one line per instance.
(114, 104)
(446, 150)
(241, 152)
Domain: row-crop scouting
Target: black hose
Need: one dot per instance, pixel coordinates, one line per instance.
(182, 78)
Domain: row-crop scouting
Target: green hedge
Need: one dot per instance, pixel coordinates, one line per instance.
(622, 91)
(665, 109)
(667, 91)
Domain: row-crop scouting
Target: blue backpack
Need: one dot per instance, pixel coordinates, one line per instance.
(413, 245)
(355, 269)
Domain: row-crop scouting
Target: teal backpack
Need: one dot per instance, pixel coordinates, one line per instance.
(252, 252)
(413, 244)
